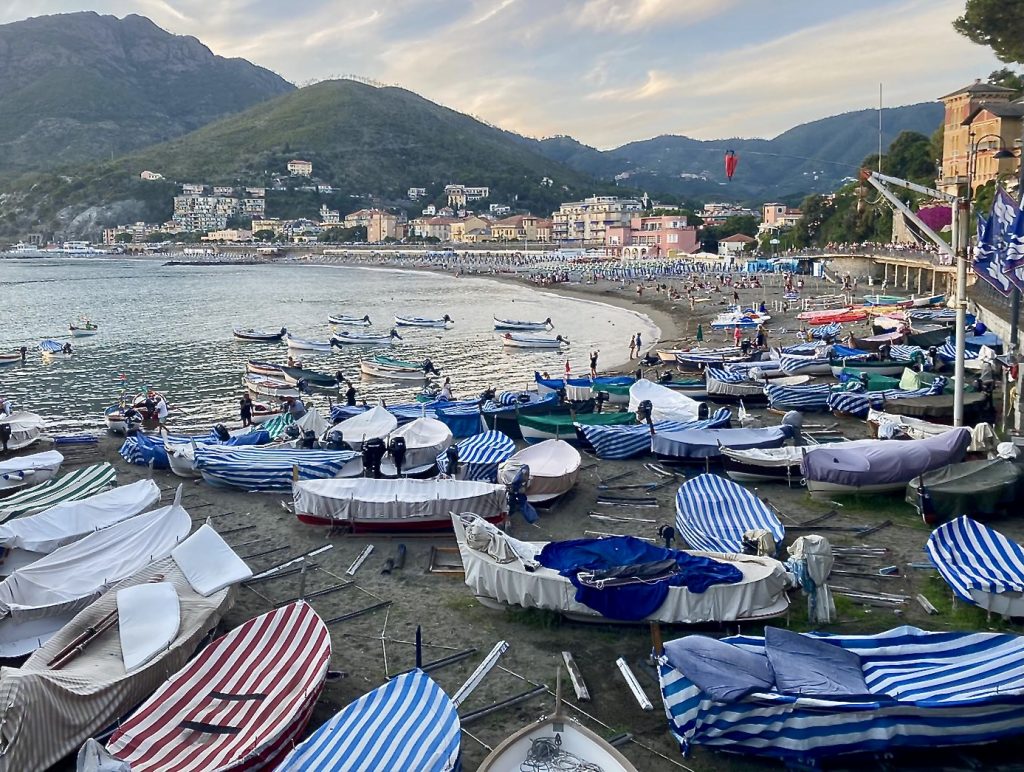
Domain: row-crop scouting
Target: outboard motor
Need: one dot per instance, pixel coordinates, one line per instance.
(561, 395)
(452, 454)
(643, 413)
(517, 495)
(336, 441)
(291, 431)
(428, 367)
(302, 384)
(132, 422)
(396, 448)
(703, 410)
(795, 420)
(668, 534)
(5, 435)
(308, 441)
(373, 453)
(222, 432)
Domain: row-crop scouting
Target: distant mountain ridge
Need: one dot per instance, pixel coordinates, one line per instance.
(82, 86)
(812, 157)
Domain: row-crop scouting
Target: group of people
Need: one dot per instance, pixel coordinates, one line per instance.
(636, 344)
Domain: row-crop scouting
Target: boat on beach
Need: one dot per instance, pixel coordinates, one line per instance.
(713, 513)
(234, 706)
(25, 428)
(420, 321)
(424, 439)
(116, 652)
(345, 338)
(349, 321)
(554, 466)
(26, 471)
(302, 344)
(375, 423)
(986, 488)
(514, 340)
(722, 385)
(72, 486)
(271, 468)
(520, 324)
(563, 426)
(114, 415)
(580, 579)
(478, 457)
(704, 446)
(265, 386)
(368, 505)
(256, 335)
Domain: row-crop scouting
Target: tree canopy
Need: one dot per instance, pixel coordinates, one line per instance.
(998, 24)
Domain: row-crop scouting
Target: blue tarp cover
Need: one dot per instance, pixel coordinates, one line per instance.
(724, 672)
(631, 602)
(812, 667)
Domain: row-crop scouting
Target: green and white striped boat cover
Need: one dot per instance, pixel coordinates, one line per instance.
(79, 484)
(275, 426)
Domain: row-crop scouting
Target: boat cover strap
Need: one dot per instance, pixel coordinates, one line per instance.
(238, 697)
(202, 726)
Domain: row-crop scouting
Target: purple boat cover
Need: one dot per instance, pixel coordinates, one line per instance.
(704, 443)
(878, 462)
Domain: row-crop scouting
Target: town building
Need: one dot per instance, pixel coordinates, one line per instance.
(415, 194)
(585, 222)
(961, 106)
(256, 192)
(521, 227)
(776, 216)
(329, 216)
(359, 218)
(148, 175)
(138, 232)
(268, 224)
(655, 236)
(429, 210)
(735, 245)
(714, 214)
(439, 228)
(299, 168)
(192, 189)
(458, 195)
(470, 230)
(229, 234)
(995, 126)
(500, 209)
(224, 190)
(382, 226)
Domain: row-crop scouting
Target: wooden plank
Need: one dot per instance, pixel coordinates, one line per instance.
(576, 676)
(924, 603)
(634, 686)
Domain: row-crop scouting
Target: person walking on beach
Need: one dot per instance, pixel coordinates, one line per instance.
(632, 346)
(245, 409)
(161, 412)
(762, 337)
(593, 363)
(736, 335)
(446, 390)
(350, 394)
(639, 346)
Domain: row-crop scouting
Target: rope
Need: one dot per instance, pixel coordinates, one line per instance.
(546, 755)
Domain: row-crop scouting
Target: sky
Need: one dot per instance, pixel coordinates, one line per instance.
(606, 72)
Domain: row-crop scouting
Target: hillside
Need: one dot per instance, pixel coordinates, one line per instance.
(812, 157)
(82, 86)
(365, 141)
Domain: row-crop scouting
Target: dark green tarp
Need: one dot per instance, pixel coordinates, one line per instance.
(973, 488)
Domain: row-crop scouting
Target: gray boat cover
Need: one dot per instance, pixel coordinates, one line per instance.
(811, 667)
(706, 443)
(724, 672)
(978, 488)
(878, 462)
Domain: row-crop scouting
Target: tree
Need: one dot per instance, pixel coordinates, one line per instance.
(910, 158)
(157, 236)
(123, 238)
(1007, 78)
(264, 235)
(998, 24)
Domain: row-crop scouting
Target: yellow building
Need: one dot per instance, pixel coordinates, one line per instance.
(956, 141)
(468, 230)
(995, 127)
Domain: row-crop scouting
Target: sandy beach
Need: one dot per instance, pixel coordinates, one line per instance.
(370, 647)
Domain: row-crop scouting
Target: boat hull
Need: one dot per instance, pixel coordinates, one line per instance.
(390, 526)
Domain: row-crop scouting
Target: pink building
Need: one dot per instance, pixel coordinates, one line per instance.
(661, 236)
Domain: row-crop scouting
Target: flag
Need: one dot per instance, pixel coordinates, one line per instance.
(993, 238)
(1014, 262)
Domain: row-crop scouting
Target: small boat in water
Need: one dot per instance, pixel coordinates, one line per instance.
(83, 329)
(265, 368)
(357, 339)
(396, 369)
(268, 387)
(349, 321)
(11, 357)
(419, 321)
(302, 344)
(555, 742)
(144, 404)
(512, 340)
(259, 336)
(519, 324)
(554, 467)
(293, 375)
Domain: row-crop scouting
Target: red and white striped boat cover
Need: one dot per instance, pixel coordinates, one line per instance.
(261, 679)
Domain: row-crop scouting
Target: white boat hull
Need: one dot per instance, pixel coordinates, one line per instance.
(365, 340)
(348, 321)
(540, 343)
(819, 488)
(404, 321)
(570, 738)
(380, 371)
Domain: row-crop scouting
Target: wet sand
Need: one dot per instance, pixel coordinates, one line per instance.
(370, 647)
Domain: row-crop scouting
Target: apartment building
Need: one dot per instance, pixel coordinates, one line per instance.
(458, 195)
(962, 106)
(586, 222)
(299, 168)
(659, 236)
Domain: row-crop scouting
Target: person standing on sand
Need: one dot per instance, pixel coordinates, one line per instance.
(632, 347)
(762, 337)
(593, 363)
(736, 335)
(161, 412)
(245, 409)
(639, 346)
(700, 334)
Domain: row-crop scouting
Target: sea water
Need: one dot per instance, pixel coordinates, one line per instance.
(170, 328)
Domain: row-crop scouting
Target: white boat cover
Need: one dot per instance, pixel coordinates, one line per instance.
(25, 429)
(79, 484)
(208, 562)
(59, 585)
(496, 569)
(375, 422)
(27, 470)
(787, 455)
(400, 500)
(313, 422)
(668, 405)
(69, 521)
(891, 424)
(148, 618)
(46, 714)
(425, 438)
(554, 467)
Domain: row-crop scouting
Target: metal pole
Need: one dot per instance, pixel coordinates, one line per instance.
(961, 297)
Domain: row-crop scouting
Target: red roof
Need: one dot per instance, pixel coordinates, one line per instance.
(740, 238)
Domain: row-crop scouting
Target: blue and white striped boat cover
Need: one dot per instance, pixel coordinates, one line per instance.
(409, 723)
(794, 364)
(934, 689)
(713, 513)
(140, 449)
(811, 396)
(905, 353)
(764, 365)
(618, 442)
(725, 376)
(50, 346)
(971, 556)
(807, 347)
(480, 455)
(267, 469)
(826, 331)
(858, 404)
(948, 351)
